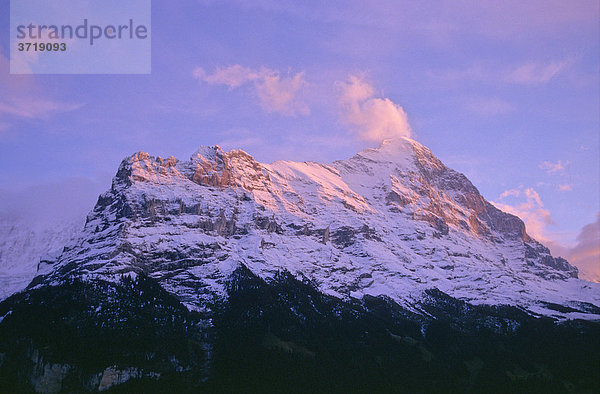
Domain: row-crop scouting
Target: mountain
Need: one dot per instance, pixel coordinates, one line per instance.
(22, 243)
(388, 249)
(391, 221)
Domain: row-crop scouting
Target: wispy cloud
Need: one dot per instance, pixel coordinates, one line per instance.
(537, 73)
(528, 73)
(510, 192)
(34, 107)
(565, 188)
(276, 93)
(553, 168)
(373, 119)
(280, 95)
(232, 76)
(23, 98)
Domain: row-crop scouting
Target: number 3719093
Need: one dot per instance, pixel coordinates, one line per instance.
(40, 46)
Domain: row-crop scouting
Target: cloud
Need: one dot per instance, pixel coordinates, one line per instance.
(511, 192)
(553, 168)
(527, 205)
(374, 119)
(586, 253)
(23, 98)
(276, 94)
(34, 107)
(565, 188)
(232, 76)
(536, 73)
(529, 73)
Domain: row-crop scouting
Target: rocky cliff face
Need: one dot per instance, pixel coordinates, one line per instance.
(392, 221)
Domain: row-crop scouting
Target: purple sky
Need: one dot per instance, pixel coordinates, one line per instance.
(507, 92)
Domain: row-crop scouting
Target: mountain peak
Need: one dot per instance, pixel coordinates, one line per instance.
(393, 150)
(207, 152)
(404, 152)
(399, 143)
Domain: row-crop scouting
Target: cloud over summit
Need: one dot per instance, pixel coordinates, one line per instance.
(372, 119)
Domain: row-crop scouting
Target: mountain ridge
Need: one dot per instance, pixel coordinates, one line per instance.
(391, 221)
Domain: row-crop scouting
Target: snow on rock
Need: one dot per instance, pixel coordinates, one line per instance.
(389, 221)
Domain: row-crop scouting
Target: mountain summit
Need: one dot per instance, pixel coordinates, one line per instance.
(392, 221)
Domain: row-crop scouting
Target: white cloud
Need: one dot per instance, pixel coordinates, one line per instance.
(276, 93)
(553, 168)
(537, 73)
(232, 76)
(374, 119)
(279, 94)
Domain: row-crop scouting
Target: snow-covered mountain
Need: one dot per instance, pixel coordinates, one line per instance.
(392, 221)
(23, 243)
